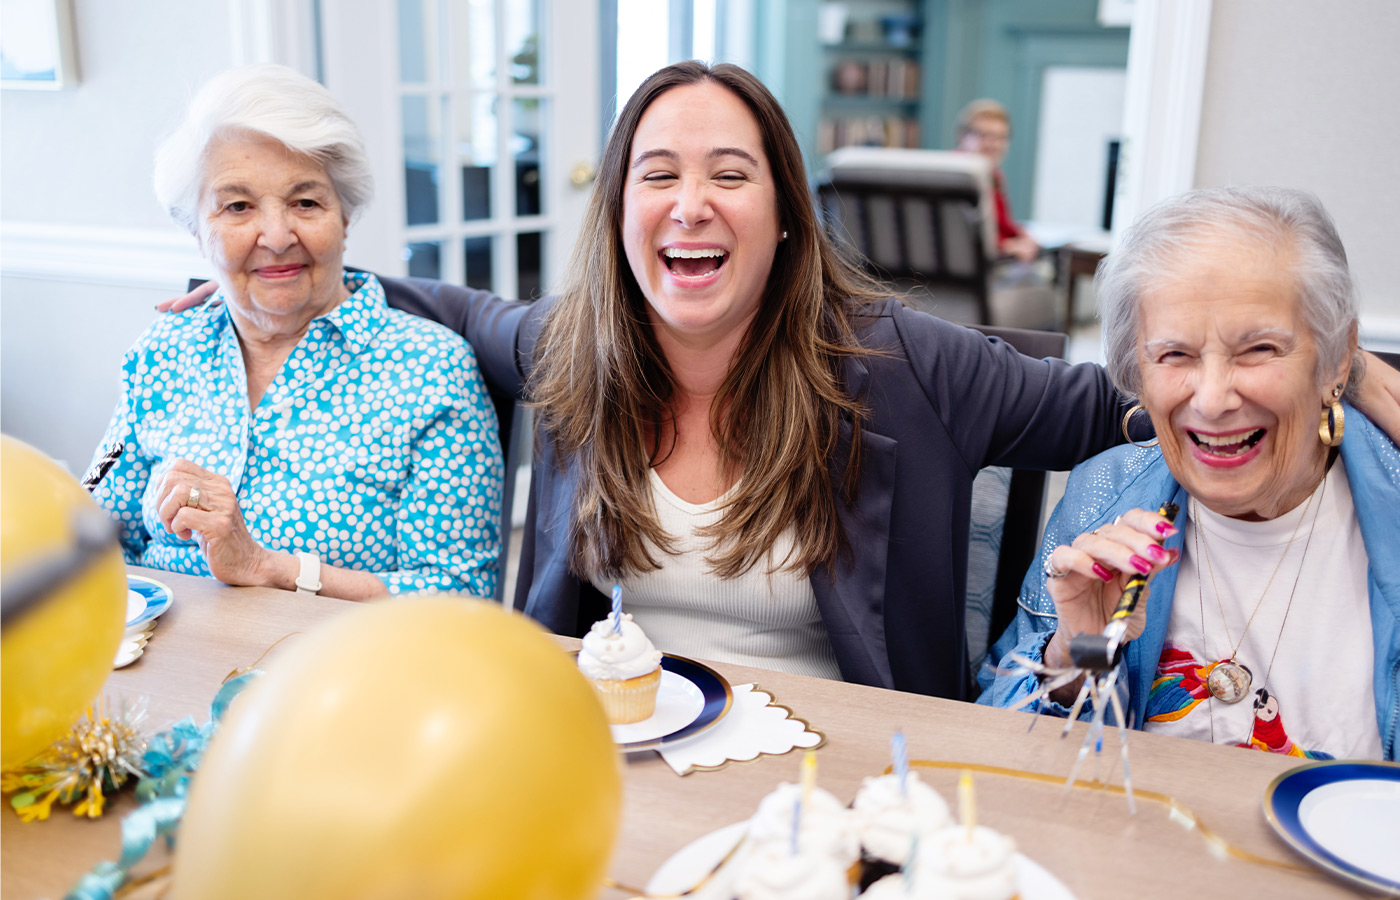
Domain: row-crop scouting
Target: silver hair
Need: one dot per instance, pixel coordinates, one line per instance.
(1167, 235)
(269, 100)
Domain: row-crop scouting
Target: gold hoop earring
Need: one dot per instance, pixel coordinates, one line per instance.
(1334, 420)
(1128, 437)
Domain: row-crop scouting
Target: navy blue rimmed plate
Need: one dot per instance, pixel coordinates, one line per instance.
(1344, 817)
(691, 699)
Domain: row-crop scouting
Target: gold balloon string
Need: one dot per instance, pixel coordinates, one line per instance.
(1176, 811)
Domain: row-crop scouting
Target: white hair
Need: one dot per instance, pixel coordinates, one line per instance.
(1167, 235)
(272, 101)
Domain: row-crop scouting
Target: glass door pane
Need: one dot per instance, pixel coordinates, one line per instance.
(476, 153)
(422, 129)
(478, 122)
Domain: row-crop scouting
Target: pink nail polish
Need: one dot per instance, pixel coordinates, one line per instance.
(1158, 554)
(1102, 572)
(1140, 564)
(1165, 530)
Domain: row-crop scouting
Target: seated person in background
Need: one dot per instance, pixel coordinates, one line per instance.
(985, 128)
(1274, 616)
(300, 435)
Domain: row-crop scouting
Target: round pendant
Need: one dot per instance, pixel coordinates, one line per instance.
(1228, 681)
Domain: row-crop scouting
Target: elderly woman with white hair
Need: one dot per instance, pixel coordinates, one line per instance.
(1274, 615)
(299, 435)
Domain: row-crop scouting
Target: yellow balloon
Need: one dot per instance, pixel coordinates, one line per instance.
(427, 747)
(55, 655)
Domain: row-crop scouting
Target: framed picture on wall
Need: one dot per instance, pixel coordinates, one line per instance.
(36, 45)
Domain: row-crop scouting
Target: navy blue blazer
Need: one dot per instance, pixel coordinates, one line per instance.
(943, 400)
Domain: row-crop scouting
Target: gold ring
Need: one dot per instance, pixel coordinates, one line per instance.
(193, 498)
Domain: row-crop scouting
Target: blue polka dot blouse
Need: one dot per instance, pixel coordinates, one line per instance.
(375, 446)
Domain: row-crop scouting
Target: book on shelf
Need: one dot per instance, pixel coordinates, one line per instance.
(897, 79)
(866, 131)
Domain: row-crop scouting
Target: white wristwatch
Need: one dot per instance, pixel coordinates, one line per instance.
(309, 581)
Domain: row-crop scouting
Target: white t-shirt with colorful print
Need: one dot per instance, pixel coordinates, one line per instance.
(1311, 662)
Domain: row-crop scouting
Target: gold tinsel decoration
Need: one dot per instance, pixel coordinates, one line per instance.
(102, 751)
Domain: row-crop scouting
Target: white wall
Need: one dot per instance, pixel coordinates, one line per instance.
(1307, 94)
(85, 251)
(83, 156)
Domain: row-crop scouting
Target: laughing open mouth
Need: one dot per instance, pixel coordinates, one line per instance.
(694, 263)
(1227, 445)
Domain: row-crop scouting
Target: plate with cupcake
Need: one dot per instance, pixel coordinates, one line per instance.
(652, 699)
(896, 841)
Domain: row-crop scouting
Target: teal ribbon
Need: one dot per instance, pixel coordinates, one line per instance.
(171, 758)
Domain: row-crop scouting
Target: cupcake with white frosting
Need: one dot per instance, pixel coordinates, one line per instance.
(967, 864)
(826, 828)
(774, 872)
(624, 667)
(889, 814)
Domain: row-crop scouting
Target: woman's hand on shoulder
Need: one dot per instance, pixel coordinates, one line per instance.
(189, 301)
(1085, 579)
(198, 503)
(1378, 395)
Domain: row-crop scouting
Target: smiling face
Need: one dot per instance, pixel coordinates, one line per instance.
(989, 136)
(271, 223)
(700, 216)
(1229, 376)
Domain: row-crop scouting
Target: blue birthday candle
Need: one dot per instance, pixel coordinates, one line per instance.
(899, 749)
(617, 608)
(796, 821)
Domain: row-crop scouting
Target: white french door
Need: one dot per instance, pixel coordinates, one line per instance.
(482, 123)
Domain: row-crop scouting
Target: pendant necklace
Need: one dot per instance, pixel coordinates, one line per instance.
(1228, 681)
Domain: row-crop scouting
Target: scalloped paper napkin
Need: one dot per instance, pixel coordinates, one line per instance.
(755, 726)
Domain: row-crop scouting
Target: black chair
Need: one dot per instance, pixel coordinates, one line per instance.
(1015, 497)
(919, 218)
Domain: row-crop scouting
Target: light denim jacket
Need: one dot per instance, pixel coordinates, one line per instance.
(1129, 477)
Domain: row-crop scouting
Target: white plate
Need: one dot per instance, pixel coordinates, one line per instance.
(692, 697)
(697, 859)
(694, 861)
(678, 703)
(155, 599)
(128, 653)
(1344, 816)
(135, 605)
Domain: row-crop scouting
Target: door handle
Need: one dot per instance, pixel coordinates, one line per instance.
(582, 175)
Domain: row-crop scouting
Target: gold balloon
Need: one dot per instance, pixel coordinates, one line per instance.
(55, 655)
(428, 747)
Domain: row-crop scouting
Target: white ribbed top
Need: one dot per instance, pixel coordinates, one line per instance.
(762, 619)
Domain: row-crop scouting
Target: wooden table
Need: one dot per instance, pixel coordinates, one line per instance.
(1086, 838)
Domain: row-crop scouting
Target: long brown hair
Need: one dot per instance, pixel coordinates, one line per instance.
(602, 385)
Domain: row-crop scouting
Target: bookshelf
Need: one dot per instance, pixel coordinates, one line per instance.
(872, 74)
